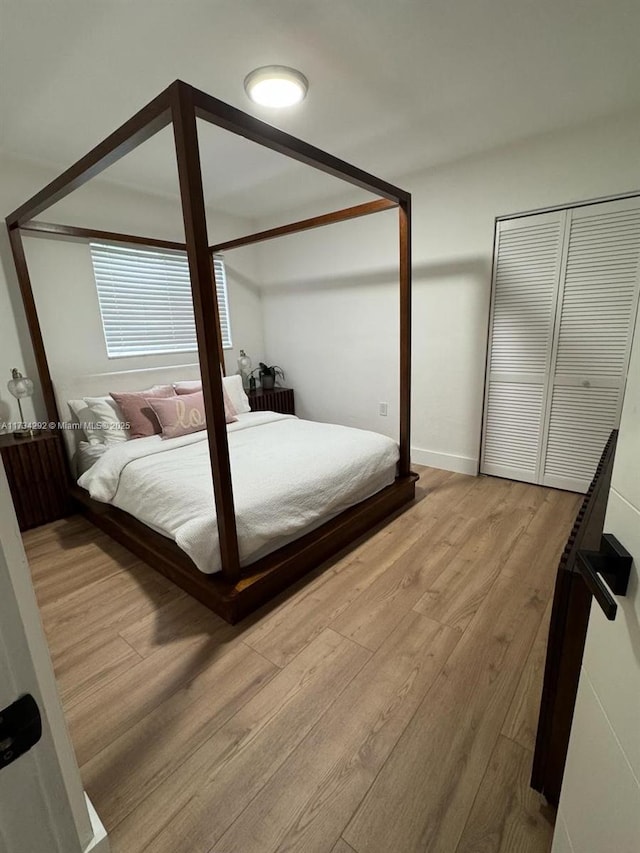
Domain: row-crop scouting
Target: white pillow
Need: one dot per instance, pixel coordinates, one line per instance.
(188, 386)
(104, 420)
(80, 414)
(77, 409)
(236, 392)
(233, 386)
(87, 455)
(76, 406)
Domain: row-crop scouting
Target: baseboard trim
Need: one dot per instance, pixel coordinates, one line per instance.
(99, 843)
(446, 461)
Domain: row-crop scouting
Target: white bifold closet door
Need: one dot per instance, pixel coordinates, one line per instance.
(564, 303)
(527, 264)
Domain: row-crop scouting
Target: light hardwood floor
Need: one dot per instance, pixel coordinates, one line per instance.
(386, 705)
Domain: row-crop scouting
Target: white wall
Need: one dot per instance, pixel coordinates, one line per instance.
(330, 299)
(331, 319)
(599, 805)
(64, 287)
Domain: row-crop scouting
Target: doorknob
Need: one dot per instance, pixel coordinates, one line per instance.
(20, 729)
(606, 572)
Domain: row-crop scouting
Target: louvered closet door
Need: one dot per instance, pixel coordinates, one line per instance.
(527, 264)
(595, 320)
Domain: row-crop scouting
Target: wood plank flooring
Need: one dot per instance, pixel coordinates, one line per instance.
(387, 703)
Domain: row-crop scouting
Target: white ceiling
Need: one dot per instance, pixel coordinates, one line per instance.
(395, 85)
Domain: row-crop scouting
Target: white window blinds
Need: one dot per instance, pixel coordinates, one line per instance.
(145, 300)
(223, 300)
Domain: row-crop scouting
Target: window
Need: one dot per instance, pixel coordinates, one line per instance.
(145, 300)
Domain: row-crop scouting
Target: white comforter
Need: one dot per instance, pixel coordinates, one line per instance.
(289, 476)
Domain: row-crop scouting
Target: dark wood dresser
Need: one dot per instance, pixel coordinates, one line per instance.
(37, 476)
(567, 635)
(278, 400)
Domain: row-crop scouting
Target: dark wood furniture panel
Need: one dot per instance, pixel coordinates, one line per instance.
(180, 105)
(36, 471)
(266, 577)
(567, 634)
(278, 400)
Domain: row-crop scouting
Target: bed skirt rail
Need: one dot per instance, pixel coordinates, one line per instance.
(263, 579)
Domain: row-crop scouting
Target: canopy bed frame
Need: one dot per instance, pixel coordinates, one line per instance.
(235, 590)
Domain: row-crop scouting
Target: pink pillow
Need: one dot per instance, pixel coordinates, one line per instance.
(182, 414)
(138, 412)
(179, 415)
(191, 387)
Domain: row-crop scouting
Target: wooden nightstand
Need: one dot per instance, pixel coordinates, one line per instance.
(279, 400)
(37, 477)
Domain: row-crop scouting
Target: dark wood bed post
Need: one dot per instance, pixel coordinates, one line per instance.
(205, 307)
(404, 217)
(404, 223)
(233, 593)
(35, 332)
(54, 231)
(344, 215)
(140, 127)
(144, 124)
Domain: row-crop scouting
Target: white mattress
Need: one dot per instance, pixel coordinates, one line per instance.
(289, 476)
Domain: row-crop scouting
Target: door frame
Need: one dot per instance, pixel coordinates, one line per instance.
(91, 834)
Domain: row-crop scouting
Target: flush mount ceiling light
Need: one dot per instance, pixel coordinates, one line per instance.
(276, 86)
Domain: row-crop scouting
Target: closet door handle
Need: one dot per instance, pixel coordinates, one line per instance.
(606, 573)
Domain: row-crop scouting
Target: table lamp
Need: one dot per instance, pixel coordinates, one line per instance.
(244, 368)
(20, 387)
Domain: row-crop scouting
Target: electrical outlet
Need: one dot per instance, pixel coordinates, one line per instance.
(383, 409)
